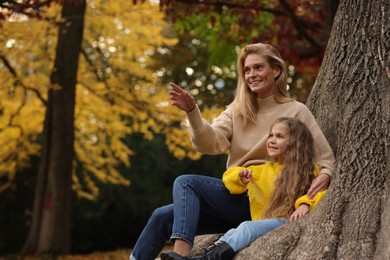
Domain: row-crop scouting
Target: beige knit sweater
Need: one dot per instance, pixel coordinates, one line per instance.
(247, 146)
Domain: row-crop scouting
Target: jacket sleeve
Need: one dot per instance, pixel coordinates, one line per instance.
(232, 181)
(211, 138)
(311, 202)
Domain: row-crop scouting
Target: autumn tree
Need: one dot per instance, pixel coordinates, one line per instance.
(50, 229)
(105, 71)
(210, 31)
(112, 96)
(351, 103)
(104, 59)
(299, 29)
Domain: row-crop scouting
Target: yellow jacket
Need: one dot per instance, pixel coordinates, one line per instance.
(262, 186)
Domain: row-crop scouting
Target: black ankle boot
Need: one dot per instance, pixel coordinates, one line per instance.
(219, 250)
(171, 255)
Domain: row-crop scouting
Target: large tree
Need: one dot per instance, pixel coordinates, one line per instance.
(51, 225)
(93, 101)
(210, 31)
(350, 100)
(299, 29)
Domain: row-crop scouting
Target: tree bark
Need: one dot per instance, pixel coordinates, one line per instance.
(350, 101)
(50, 231)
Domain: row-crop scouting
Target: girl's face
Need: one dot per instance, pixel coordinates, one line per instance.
(277, 142)
(259, 76)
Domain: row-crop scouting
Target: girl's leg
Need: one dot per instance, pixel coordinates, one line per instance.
(234, 240)
(248, 231)
(203, 205)
(153, 237)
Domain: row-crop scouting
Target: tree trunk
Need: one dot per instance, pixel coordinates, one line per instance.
(350, 101)
(50, 231)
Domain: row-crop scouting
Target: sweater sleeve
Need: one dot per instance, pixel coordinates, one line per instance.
(324, 156)
(210, 138)
(232, 181)
(311, 202)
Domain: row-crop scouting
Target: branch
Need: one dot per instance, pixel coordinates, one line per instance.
(239, 5)
(115, 95)
(29, 8)
(18, 81)
(300, 25)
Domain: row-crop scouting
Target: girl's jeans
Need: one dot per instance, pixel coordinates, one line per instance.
(248, 231)
(201, 205)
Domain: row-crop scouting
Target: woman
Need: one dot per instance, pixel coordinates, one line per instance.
(201, 204)
(276, 189)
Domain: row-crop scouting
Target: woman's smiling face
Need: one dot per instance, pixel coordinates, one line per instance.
(259, 76)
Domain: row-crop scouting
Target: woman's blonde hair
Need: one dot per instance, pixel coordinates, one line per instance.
(245, 99)
(296, 175)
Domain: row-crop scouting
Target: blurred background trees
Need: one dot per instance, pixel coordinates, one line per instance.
(129, 143)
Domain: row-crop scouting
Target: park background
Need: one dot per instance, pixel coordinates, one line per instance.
(129, 144)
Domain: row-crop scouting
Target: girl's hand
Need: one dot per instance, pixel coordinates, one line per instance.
(181, 98)
(245, 175)
(301, 211)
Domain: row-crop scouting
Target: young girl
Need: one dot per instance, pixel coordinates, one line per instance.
(277, 190)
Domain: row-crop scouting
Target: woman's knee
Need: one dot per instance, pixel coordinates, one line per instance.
(182, 181)
(162, 214)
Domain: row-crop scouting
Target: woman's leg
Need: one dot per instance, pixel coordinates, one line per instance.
(248, 231)
(153, 237)
(182, 247)
(203, 205)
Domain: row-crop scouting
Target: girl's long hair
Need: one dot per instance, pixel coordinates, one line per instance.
(245, 100)
(296, 175)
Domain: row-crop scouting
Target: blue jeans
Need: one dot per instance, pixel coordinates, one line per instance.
(201, 205)
(248, 231)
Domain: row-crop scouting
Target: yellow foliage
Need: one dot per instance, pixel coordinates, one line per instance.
(178, 139)
(116, 93)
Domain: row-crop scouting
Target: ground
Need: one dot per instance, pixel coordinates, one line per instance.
(111, 255)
